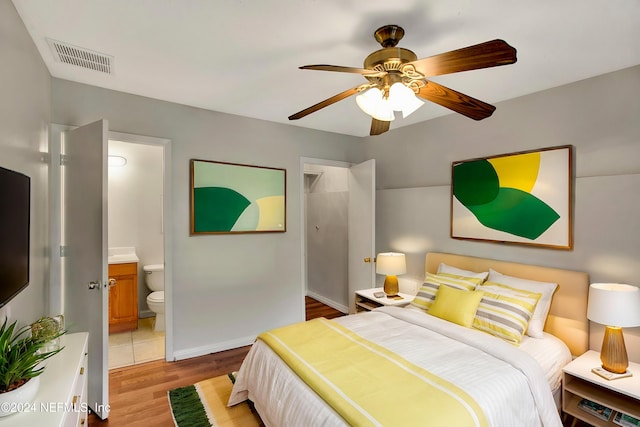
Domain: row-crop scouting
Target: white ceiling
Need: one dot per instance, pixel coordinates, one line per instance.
(242, 56)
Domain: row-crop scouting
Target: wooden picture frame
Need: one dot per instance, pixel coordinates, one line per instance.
(235, 198)
(521, 198)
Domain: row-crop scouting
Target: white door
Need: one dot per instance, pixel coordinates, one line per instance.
(362, 228)
(84, 260)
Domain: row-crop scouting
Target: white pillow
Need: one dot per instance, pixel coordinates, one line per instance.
(536, 325)
(448, 269)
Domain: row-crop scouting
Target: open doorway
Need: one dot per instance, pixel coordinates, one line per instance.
(338, 230)
(79, 287)
(136, 253)
(326, 201)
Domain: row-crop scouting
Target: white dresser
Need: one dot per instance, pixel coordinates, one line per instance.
(62, 397)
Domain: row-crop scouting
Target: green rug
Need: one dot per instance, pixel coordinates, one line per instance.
(204, 404)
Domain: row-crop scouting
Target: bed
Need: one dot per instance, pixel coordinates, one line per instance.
(414, 366)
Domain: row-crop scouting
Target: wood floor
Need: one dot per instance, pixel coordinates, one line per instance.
(138, 394)
(317, 309)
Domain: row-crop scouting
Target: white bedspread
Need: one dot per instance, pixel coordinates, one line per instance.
(506, 382)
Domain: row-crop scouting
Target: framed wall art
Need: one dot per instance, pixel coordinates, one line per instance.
(522, 198)
(235, 198)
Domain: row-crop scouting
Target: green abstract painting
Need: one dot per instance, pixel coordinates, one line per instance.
(236, 198)
(520, 198)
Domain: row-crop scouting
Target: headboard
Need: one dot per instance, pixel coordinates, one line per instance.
(567, 318)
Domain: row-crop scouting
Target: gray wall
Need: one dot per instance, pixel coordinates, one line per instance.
(226, 288)
(25, 108)
(598, 116)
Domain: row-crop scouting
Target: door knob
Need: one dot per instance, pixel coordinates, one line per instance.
(94, 284)
(367, 259)
(112, 282)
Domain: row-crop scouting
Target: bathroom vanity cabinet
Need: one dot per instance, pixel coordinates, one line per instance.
(123, 297)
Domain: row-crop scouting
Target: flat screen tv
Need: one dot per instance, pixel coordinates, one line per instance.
(15, 189)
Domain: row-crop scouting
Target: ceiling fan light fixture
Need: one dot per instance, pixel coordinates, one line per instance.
(369, 99)
(403, 98)
(373, 103)
(401, 68)
(384, 112)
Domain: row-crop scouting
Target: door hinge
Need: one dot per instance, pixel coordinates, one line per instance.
(63, 251)
(63, 159)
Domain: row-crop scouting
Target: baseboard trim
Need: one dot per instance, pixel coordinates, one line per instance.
(241, 342)
(340, 307)
(213, 348)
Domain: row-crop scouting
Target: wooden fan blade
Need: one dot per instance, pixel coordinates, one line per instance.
(341, 69)
(484, 55)
(379, 126)
(456, 101)
(339, 97)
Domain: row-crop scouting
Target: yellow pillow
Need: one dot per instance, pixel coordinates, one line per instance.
(455, 305)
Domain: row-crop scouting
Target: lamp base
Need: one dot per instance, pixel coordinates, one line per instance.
(391, 286)
(614, 353)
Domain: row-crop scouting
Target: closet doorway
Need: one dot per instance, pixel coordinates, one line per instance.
(338, 208)
(326, 200)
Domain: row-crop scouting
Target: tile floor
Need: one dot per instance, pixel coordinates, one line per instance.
(134, 347)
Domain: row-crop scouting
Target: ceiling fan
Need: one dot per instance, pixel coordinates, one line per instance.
(397, 79)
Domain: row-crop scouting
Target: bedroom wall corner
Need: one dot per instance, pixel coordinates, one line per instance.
(26, 112)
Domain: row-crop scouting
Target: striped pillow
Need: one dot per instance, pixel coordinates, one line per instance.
(427, 292)
(504, 311)
(444, 268)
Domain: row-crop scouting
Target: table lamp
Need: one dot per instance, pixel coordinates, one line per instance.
(391, 264)
(615, 306)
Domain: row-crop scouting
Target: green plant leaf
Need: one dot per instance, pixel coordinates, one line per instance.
(20, 356)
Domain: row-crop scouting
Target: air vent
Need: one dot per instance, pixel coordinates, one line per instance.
(81, 57)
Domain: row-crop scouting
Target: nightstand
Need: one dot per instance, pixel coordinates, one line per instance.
(365, 301)
(578, 382)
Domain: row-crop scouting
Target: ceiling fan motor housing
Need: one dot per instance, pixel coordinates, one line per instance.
(390, 60)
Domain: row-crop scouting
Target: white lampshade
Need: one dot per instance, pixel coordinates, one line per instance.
(368, 100)
(614, 304)
(373, 103)
(391, 263)
(403, 99)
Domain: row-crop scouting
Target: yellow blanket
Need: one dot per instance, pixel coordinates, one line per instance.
(381, 389)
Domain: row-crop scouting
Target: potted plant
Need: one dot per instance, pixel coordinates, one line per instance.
(20, 365)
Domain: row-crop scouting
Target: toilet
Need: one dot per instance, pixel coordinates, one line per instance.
(154, 278)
